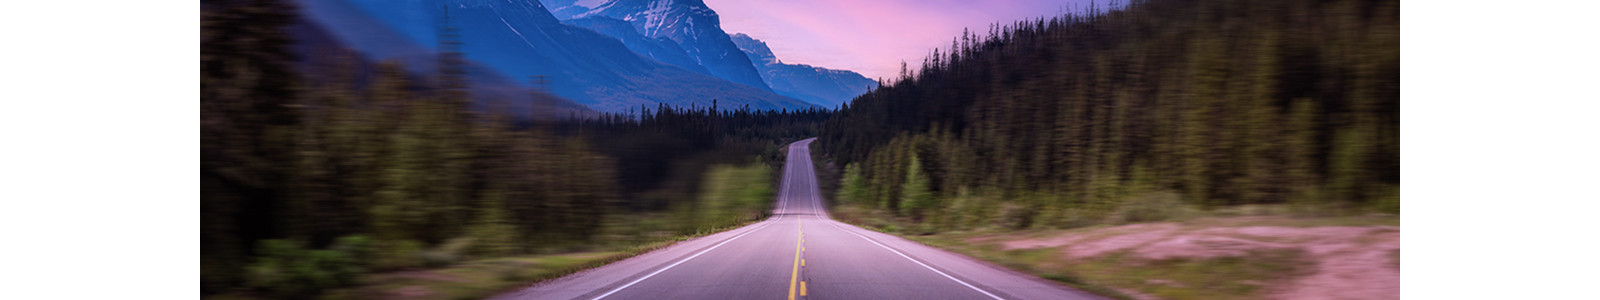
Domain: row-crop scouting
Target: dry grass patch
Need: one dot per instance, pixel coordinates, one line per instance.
(472, 280)
(1243, 257)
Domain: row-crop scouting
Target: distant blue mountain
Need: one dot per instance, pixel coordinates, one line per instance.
(514, 40)
(695, 29)
(324, 57)
(821, 86)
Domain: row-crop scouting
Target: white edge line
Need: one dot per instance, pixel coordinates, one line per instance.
(918, 262)
(680, 261)
(896, 252)
(780, 217)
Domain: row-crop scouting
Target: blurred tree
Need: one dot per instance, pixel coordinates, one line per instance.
(854, 186)
(916, 199)
(404, 158)
(1225, 102)
(247, 91)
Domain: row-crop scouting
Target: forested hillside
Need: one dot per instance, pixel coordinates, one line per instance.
(307, 182)
(1124, 115)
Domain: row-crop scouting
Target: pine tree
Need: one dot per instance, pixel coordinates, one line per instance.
(247, 89)
(854, 186)
(1299, 154)
(916, 200)
(491, 231)
(1061, 112)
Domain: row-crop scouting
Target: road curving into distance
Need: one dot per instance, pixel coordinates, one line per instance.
(798, 253)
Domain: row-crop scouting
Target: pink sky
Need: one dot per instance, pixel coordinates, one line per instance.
(870, 37)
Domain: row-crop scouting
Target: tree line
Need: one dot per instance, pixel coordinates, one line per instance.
(317, 169)
(1105, 115)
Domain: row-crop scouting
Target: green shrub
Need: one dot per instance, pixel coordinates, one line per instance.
(393, 255)
(853, 186)
(357, 247)
(287, 269)
(1015, 216)
(1388, 200)
(1308, 202)
(1151, 207)
(731, 195)
(514, 270)
(1074, 217)
(446, 254)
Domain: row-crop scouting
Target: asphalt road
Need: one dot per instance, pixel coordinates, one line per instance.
(799, 253)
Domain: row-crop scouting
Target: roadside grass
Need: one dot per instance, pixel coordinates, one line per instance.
(486, 278)
(1292, 216)
(732, 197)
(1290, 221)
(474, 279)
(1123, 276)
(1039, 262)
(1234, 277)
(1117, 274)
(483, 278)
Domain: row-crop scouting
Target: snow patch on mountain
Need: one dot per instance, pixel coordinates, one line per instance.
(689, 23)
(591, 4)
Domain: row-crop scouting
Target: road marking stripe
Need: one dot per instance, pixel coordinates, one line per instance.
(802, 288)
(919, 263)
(824, 213)
(783, 201)
(686, 259)
(798, 246)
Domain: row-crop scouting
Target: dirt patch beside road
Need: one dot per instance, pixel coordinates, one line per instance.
(1329, 262)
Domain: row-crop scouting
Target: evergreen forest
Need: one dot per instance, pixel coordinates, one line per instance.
(1134, 115)
(316, 169)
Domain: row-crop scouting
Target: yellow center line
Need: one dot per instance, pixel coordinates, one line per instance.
(799, 246)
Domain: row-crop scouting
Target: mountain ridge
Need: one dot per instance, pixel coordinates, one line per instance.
(660, 49)
(522, 38)
(694, 26)
(817, 85)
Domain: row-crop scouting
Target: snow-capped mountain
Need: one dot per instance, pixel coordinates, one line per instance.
(821, 86)
(520, 39)
(690, 23)
(660, 49)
